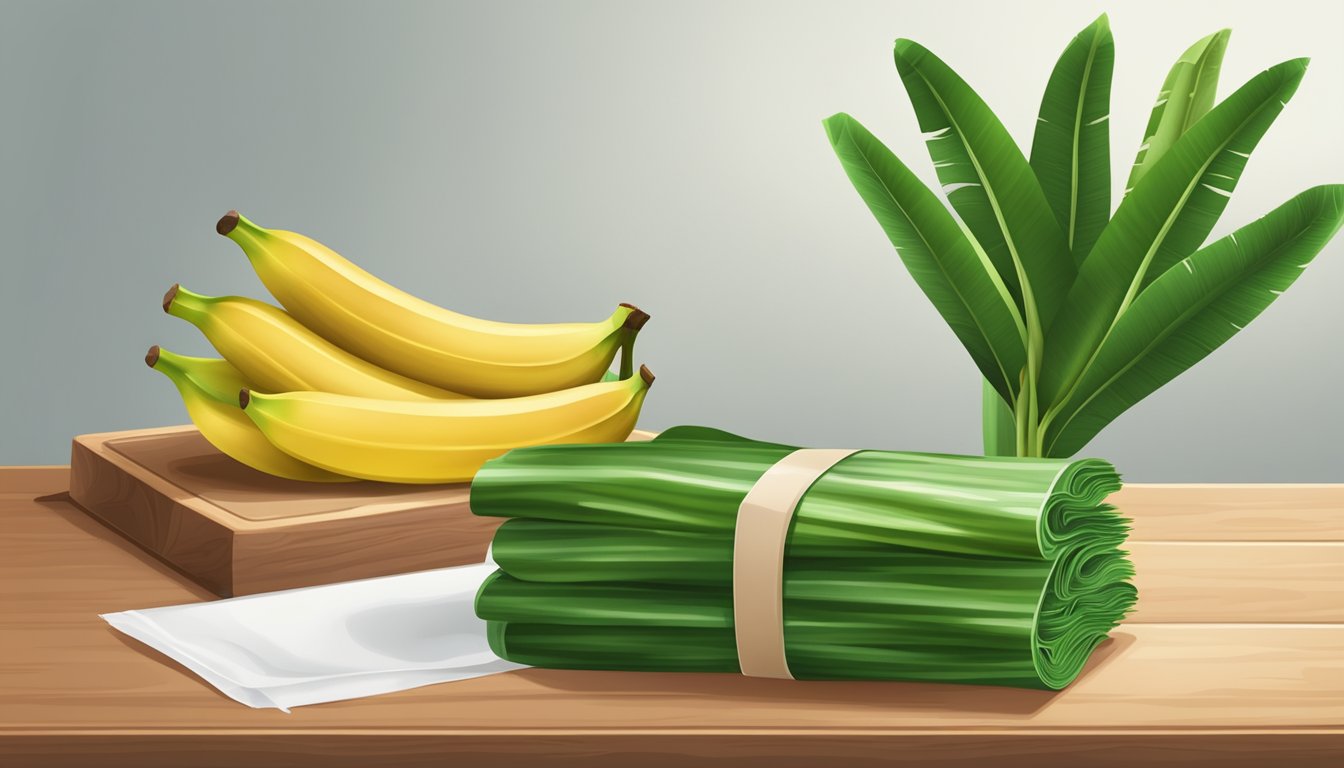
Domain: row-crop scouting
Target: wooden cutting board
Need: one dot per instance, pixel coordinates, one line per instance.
(238, 531)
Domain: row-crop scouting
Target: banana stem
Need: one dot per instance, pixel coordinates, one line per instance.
(227, 222)
(170, 296)
(180, 302)
(627, 354)
(629, 330)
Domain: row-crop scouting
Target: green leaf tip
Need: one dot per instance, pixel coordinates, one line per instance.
(1329, 197)
(835, 126)
(1099, 29)
(1215, 42)
(908, 53)
(1290, 73)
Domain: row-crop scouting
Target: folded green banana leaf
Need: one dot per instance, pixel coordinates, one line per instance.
(898, 566)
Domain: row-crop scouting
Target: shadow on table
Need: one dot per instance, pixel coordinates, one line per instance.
(150, 652)
(727, 688)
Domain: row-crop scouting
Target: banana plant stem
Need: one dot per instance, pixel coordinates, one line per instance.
(999, 425)
(1020, 419)
(1033, 418)
(1028, 414)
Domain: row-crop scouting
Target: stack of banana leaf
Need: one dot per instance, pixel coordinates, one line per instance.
(897, 566)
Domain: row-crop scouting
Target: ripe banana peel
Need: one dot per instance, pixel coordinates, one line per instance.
(209, 389)
(278, 354)
(444, 441)
(400, 332)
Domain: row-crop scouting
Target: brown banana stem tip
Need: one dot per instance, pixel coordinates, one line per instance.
(226, 223)
(243, 397)
(169, 296)
(152, 356)
(636, 319)
(646, 374)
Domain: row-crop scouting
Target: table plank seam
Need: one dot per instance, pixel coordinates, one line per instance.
(679, 730)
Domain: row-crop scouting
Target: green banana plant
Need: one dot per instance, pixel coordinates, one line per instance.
(1074, 313)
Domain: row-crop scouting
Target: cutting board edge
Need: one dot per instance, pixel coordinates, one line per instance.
(231, 555)
(98, 445)
(135, 512)
(405, 541)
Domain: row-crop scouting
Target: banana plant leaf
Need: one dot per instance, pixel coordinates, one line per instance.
(907, 616)
(1164, 219)
(990, 184)
(559, 551)
(1187, 95)
(1070, 155)
(1192, 309)
(999, 507)
(963, 287)
(1071, 150)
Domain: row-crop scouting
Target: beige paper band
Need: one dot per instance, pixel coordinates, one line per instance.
(758, 557)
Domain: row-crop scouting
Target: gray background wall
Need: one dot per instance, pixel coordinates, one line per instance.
(543, 161)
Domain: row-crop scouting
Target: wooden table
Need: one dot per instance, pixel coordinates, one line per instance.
(1235, 657)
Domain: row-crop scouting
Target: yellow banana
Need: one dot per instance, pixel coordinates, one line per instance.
(277, 354)
(439, 442)
(413, 337)
(209, 389)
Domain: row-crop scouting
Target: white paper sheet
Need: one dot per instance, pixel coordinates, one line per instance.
(328, 643)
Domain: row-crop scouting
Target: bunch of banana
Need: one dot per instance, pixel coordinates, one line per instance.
(209, 388)
(417, 441)
(277, 354)
(355, 379)
(402, 333)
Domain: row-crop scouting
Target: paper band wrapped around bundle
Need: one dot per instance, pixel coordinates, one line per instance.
(897, 566)
(760, 536)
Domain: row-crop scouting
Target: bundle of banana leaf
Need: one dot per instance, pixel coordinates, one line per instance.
(896, 566)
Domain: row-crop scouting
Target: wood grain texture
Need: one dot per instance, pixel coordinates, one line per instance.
(237, 531)
(179, 464)
(1241, 581)
(246, 499)
(1249, 512)
(726, 749)
(1182, 690)
(375, 544)
(26, 482)
(151, 515)
(90, 679)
